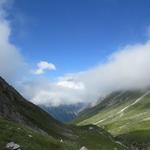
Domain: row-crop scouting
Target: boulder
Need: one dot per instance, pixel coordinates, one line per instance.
(83, 148)
(13, 146)
(91, 128)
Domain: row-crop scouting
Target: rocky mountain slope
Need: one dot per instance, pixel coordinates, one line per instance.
(24, 124)
(125, 114)
(15, 108)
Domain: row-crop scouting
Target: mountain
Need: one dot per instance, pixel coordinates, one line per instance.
(15, 108)
(125, 114)
(64, 113)
(30, 127)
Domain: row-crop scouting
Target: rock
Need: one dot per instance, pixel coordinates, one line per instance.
(91, 128)
(30, 135)
(83, 148)
(148, 148)
(13, 146)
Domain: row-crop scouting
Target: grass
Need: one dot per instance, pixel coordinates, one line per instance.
(136, 117)
(95, 139)
(34, 129)
(130, 139)
(129, 122)
(98, 139)
(21, 135)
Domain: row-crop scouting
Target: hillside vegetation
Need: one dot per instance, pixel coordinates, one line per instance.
(32, 128)
(123, 114)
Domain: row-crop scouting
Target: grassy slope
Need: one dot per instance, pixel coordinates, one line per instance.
(140, 139)
(93, 140)
(132, 123)
(97, 139)
(135, 117)
(17, 109)
(112, 102)
(13, 132)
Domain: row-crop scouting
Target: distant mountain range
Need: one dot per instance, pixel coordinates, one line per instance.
(28, 127)
(125, 114)
(64, 113)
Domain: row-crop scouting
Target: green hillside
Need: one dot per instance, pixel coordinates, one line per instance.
(15, 108)
(28, 138)
(136, 139)
(32, 128)
(122, 113)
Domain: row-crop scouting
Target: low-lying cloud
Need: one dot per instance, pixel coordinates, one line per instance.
(45, 92)
(126, 69)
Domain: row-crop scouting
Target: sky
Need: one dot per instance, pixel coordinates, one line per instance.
(72, 51)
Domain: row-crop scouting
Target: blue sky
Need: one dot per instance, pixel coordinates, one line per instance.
(70, 51)
(77, 34)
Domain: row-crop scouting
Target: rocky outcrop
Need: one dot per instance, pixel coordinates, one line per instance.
(13, 146)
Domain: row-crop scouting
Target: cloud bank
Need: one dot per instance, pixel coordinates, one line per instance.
(126, 69)
(11, 60)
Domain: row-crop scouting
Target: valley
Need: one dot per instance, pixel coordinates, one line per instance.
(30, 127)
(119, 122)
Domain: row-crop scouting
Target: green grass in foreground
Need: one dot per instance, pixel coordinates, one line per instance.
(96, 139)
(21, 135)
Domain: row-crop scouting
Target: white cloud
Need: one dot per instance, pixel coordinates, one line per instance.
(11, 60)
(126, 69)
(50, 93)
(43, 66)
(70, 83)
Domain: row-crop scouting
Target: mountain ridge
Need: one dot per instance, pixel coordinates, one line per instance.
(15, 108)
